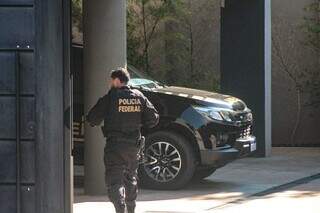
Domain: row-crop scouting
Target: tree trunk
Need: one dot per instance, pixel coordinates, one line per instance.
(146, 48)
(191, 52)
(298, 116)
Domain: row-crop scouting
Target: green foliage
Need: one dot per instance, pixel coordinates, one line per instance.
(160, 40)
(162, 30)
(311, 87)
(311, 84)
(143, 20)
(77, 14)
(312, 25)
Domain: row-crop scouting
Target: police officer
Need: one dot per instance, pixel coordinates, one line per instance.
(124, 111)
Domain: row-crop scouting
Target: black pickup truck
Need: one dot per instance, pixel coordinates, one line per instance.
(198, 132)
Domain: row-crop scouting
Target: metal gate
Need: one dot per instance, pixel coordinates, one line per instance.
(17, 107)
(34, 161)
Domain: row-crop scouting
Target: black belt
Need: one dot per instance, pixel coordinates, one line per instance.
(117, 139)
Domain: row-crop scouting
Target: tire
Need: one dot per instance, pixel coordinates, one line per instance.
(160, 169)
(203, 173)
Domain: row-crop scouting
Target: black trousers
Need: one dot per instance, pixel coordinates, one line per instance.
(121, 164)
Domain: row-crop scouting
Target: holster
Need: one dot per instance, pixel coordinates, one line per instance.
(141, 145)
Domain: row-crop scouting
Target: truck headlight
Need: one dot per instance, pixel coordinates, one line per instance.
(226, 115)
(215, 115)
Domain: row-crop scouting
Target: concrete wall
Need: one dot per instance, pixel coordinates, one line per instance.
(287, 19)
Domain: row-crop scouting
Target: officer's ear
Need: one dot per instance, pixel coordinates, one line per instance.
(117, 83)
(114, 82)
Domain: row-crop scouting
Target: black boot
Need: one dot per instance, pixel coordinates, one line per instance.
(120, 207)
(131, 207)
(116, 195)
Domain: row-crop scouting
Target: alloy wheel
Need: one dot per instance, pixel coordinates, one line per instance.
(163, 161)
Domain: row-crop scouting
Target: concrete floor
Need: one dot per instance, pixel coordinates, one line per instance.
(237, 181)
(301, 198)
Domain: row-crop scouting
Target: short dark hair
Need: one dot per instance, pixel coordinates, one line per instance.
(122, 74)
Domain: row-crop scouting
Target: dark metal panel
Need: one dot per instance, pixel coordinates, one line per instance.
(242, 58)
(8, 199)
(28, 74)
(7, 162)
(7, 73)
(17, 106)
(28, 118)
(7, 117)
(18, 157)
(28, 162)
(28, 199)
(7, 80)
(17, 27)
(18, 135)
(16, 2)
(51, 185)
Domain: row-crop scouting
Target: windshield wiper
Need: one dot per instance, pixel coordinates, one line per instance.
(161, 84)
(141, 87)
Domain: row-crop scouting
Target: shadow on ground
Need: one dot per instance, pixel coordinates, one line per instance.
(237, 182)
(203, 190)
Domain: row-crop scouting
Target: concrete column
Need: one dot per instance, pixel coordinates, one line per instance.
(246, 61)
(104, 50)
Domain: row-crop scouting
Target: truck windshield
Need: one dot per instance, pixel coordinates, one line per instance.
(141, 80)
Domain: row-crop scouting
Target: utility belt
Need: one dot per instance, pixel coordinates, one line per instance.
(133, 137)
(116, 140)
(140, 144)
(119, 137)
(134, 134)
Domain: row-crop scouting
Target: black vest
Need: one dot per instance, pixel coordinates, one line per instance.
(124, 115)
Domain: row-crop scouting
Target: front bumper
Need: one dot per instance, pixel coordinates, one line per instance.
(221, 156)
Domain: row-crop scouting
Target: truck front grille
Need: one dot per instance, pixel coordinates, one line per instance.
(245, 132)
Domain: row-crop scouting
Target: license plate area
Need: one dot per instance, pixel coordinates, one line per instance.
(253, 146)
(248, 143)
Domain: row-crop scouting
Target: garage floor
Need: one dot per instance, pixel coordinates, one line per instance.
(236, 184)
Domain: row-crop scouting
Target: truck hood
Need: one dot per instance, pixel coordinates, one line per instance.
(214, 99)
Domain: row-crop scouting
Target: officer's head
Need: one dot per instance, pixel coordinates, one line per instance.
(119, 78)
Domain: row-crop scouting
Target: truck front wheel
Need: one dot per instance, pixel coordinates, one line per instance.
(169, 161)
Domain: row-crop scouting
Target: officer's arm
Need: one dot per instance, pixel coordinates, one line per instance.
(98, 112)
(150, 116)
